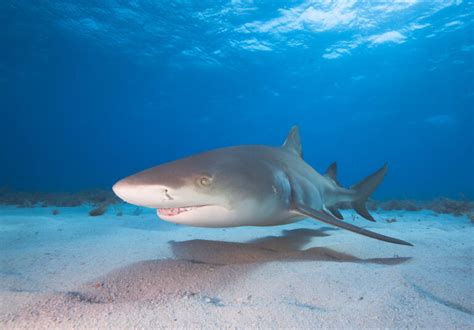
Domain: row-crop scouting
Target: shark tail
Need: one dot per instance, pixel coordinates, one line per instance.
(364, 189)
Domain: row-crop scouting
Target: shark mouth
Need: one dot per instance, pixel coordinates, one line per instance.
(169, 212)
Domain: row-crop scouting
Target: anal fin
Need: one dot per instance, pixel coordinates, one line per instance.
(335, 212)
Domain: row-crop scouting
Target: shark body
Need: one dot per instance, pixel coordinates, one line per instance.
(250, 185)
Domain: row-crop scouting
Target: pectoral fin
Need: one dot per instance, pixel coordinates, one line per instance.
(329, 219)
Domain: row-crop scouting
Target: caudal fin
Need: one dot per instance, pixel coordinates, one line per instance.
(364, 189)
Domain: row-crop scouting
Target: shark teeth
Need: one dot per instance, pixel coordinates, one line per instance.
(175, 210)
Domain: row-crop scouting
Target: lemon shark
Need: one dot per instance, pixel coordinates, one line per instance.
(249, 185)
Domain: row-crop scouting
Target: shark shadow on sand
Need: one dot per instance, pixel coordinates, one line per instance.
(201, 268)
(288, 247)
(200, 273)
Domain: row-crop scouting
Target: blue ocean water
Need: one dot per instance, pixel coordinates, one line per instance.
(92, 91)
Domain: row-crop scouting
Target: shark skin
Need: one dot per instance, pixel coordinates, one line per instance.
(249, 185)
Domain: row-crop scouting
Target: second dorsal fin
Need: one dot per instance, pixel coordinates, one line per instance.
(331, 172)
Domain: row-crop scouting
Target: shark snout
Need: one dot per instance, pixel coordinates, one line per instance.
(142, 195)
(120, 188)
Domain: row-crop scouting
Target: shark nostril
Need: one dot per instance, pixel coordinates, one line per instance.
(168, 195)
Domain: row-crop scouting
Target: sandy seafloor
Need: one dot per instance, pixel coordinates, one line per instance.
(73, 270)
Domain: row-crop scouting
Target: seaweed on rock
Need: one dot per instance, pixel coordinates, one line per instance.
(451, 206)
(400, 204)
(59, 199)
(98, 210)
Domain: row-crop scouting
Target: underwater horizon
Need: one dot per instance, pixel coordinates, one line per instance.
(93, 91)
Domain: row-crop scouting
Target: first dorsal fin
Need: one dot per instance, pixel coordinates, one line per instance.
(293, 142)
(331, 172)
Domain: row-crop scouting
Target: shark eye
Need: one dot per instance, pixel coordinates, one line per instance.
(204, 181)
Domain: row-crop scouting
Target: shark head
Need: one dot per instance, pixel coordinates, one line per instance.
(211, 189)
